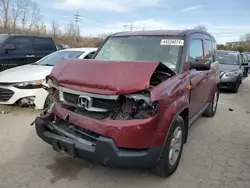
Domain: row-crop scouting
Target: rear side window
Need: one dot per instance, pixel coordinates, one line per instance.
(21, 44)
(43, 44)
(208, 48)
(195, 49)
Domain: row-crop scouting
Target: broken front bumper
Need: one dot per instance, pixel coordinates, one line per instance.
(103, 151)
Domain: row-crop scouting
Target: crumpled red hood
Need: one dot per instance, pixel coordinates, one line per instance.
(103, 77)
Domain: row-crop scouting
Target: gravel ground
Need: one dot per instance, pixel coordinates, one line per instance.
(217, 154)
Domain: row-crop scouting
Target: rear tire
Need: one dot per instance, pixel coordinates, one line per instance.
(212, 108)
(171, 153)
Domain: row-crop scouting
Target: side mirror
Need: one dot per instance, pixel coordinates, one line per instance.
(9, 47)
(201, 64)
(245, 63)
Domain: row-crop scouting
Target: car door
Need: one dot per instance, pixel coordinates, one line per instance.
(210, 75)
(21, 53)
(197, 78)
(42, 47)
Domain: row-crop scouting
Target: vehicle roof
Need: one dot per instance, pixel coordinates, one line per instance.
(23, 35)
(79, 49)
(161, 32)
(228, 51)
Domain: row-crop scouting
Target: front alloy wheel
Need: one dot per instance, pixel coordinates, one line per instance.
(170, 157)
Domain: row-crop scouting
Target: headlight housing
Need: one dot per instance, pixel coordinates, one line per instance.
(53, 90)
(29, 84)
(52, 84)
(136, 106)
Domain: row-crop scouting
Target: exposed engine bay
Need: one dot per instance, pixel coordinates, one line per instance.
(117, 107)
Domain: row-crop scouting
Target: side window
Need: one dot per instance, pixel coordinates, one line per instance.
(21, 44)
(214, 51)
(195, 49)
(208, 48)
(89, 56)
(42, 44)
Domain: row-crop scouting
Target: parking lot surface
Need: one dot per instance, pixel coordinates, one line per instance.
(217, 154)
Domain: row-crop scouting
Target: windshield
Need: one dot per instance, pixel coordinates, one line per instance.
(55, 57)
(230, 58)
(142, 48)
(3, 37)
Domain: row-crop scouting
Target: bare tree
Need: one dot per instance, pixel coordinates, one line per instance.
(17, 9)
(246, 37)
(201, 27)
(5, 8)
(55, 31)
(70, 30)
(35, 16)
(25, 13)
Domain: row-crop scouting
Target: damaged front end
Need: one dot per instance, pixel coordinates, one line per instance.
(129, 119)
(133, 106)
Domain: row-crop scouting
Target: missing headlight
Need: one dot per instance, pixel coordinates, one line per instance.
(135, 106)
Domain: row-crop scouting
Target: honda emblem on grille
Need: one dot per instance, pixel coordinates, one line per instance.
(85, 101)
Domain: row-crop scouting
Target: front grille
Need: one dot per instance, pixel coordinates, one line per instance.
(97, 102)
(5, 94)
(71, 98)
(6, 84)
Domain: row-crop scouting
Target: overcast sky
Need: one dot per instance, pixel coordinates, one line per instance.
(227, 20)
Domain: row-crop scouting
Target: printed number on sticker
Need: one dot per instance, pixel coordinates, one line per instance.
(174, 42)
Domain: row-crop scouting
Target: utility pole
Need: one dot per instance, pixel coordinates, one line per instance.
(77, 18)
(130, 26)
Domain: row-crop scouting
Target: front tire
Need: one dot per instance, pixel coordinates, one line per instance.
(171, 154)
(212, 108)
(235, 89)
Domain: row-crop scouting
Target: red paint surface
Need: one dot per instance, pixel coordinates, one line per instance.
(104, 77)
(173, 96)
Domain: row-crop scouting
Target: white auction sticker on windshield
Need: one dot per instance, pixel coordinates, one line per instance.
(174, 42)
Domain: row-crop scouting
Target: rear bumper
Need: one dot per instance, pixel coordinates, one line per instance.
(104, 151)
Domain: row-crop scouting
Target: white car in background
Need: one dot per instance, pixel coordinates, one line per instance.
(24, 84)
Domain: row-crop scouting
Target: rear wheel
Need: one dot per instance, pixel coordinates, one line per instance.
(212, 108)
(171, 154)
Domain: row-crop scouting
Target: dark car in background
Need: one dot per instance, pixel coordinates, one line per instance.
(231, 71)
(245, 63)
(17, 50)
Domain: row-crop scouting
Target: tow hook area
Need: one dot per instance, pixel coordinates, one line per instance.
(67, 149)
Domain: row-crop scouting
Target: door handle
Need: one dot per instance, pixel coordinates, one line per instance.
(30, 55)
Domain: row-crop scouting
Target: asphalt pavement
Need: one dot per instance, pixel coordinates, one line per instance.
(217, 154)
